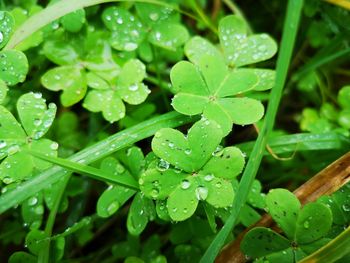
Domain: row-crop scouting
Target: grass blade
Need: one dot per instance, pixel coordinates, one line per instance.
(286, 50)
(90, 154)
(301, 142)
(90, 171)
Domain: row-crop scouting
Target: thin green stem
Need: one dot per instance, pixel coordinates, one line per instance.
(91, 154)
(44, 254)
(61, 8)
(286, 50)
(207, 21)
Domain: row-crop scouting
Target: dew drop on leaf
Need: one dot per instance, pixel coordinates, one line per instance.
(185, 184)
(32, 201)
(201, 193)
(346, 207)
(208, 177)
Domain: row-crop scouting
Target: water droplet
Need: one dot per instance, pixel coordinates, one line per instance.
(1, 37)
(108, 18)
(171, 145)
(155, 183)
(163, 165)
(120, 20)
(209, 177)
(32, 201)
(188, 151)
(141, 181)
(154, 193)
(2, 144)
(346, 207)
(133, 87)
(39, 210)
(306, 224)
(37, 122)
(185, 210)
(120, 168)
(185, 184)
(8, 180)
(37, 95)
(154, 16)
(130, 46)
(112, 207)
(201, 193)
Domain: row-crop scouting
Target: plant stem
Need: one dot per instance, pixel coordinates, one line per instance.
(44, 254)
(286, 50)
(91, 154)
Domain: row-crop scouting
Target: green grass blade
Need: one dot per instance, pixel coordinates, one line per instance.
(286, 50)
(301, 142)
(90, 154)
(90, 171)
(333, 251)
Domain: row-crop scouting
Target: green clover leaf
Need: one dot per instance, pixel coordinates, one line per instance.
(6, 27)
(241, 49)
(108, 97)
(194, 174)
(36, 119)
(127, 30)
(13, 66)
(304, 228)
(70, 79)
(73, 22)
(208, 88)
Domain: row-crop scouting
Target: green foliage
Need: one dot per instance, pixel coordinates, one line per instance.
(305, 229)
(199, 171)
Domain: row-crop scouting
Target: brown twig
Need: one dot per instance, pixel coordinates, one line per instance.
(325, 182)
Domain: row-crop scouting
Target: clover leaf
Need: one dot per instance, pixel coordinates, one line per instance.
(209, 87)
(6, 27)
(36, 119)
(241, 49)
(304, 228)
(108, 96)
(13, 66)
(198, 171)
(127, 30)
(129, 162)
(159, 25)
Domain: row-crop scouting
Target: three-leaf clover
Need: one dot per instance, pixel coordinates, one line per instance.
(197, 171)
(159, 25)
(208, 84)
(108, 96)
(304, 229)
(209, 87)
(36, 119)
(129, 162)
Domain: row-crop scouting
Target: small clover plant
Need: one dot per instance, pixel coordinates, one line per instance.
(190, 170)
(305, 229)
(110, 83)
(212, 83)
(36, 119)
